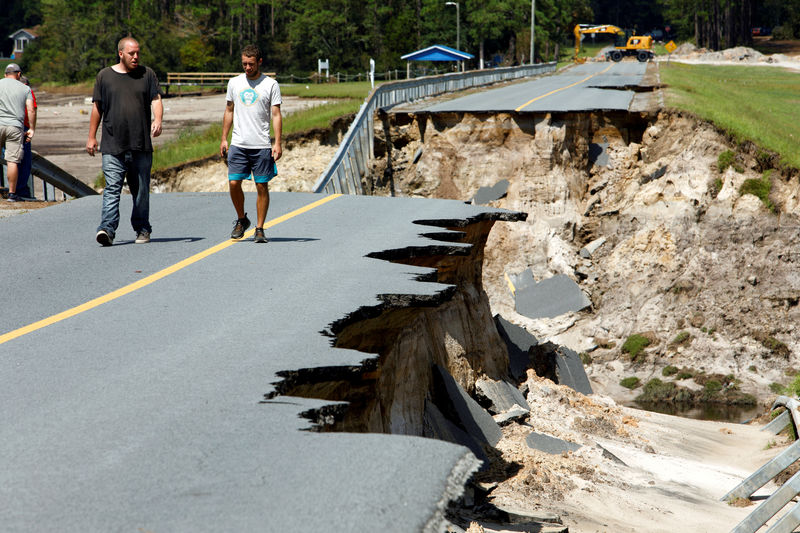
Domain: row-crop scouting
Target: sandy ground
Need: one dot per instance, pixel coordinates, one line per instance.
(677, 484)
(666, 474)
(63, 126)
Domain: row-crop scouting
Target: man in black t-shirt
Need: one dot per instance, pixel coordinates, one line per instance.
(123, 97)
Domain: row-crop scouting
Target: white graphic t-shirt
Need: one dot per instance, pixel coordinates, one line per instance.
(252, 109)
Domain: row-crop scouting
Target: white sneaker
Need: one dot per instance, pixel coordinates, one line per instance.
(104, 238)
(142, 237)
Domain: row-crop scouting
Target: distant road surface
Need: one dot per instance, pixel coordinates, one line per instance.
(587, 87)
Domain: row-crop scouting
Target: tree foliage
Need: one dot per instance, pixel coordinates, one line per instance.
(78, 37)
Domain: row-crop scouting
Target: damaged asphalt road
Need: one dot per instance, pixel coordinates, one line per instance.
(147, 412)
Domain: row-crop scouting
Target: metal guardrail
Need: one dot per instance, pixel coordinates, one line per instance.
(787, 492)
(351, 161)
(54, 176)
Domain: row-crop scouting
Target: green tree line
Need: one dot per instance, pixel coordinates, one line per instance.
(78, 37)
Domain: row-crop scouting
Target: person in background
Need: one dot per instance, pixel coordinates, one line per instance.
(15, 100)
(123, 97)
(23, 182)
(252, 99)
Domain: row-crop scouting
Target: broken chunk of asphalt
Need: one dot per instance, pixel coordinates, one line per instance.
(527, 527)
(598, 154)
(501, 395)
(560, 365)
(552, 445)
(459, 406)
(484, 195)
(437, 426)
(588, 251)
(653, 175)
(515, 414)
(518, 342)
(608, 455)
(523, 280)
(550, 298)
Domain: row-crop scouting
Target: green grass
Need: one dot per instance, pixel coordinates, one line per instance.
(728, 159)
(356, 89)
(761, 189)
(792, 389)
(320, 116)
(777, 388)
(82, 88)
(669, 370)
(630, 383)
(682, 337)
(758, 104)
(192, 144)
(634, 345)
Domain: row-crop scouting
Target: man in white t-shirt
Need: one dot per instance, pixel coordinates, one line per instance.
(252, 100)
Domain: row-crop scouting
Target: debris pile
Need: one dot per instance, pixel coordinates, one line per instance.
(688, 52)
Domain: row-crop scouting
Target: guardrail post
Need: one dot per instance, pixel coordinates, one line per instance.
(778, 423)
(788, 522)
(770, 506)
(761, 476)
(348, 173)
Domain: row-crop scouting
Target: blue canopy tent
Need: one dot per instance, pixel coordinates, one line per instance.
(437, 52)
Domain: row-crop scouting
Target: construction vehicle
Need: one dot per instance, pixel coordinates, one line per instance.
(638, 46)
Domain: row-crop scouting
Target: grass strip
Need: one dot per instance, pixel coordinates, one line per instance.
(356, 89)
(192, 143)
(758, 104)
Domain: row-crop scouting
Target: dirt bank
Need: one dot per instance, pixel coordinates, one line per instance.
(686, 255)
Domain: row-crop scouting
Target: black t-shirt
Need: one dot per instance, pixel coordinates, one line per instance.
(125, 100)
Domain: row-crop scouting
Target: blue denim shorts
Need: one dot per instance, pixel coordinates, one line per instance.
(242, 162)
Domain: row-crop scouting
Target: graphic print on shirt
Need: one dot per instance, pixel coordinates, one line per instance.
(248, 97)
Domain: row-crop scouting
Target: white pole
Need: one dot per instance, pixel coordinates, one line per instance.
(533, 18)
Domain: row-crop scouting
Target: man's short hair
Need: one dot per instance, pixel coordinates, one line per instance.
(251, 50)
(121, 43)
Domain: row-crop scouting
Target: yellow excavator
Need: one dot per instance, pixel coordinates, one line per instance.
(638, 46)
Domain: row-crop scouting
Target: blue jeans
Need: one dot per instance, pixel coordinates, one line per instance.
(136, 167)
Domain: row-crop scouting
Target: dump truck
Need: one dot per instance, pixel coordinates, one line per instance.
(625, 45)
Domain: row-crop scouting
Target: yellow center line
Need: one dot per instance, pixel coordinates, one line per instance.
(510, 284)
(529, 102)
(152, 278)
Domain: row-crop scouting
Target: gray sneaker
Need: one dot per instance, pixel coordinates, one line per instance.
(142, 237)
(259, 236)
(239, 227)
(104, 238)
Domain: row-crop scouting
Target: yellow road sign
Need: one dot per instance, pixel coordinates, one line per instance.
(670, 46)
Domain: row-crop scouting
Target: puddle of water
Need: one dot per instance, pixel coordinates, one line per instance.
(720, 413)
